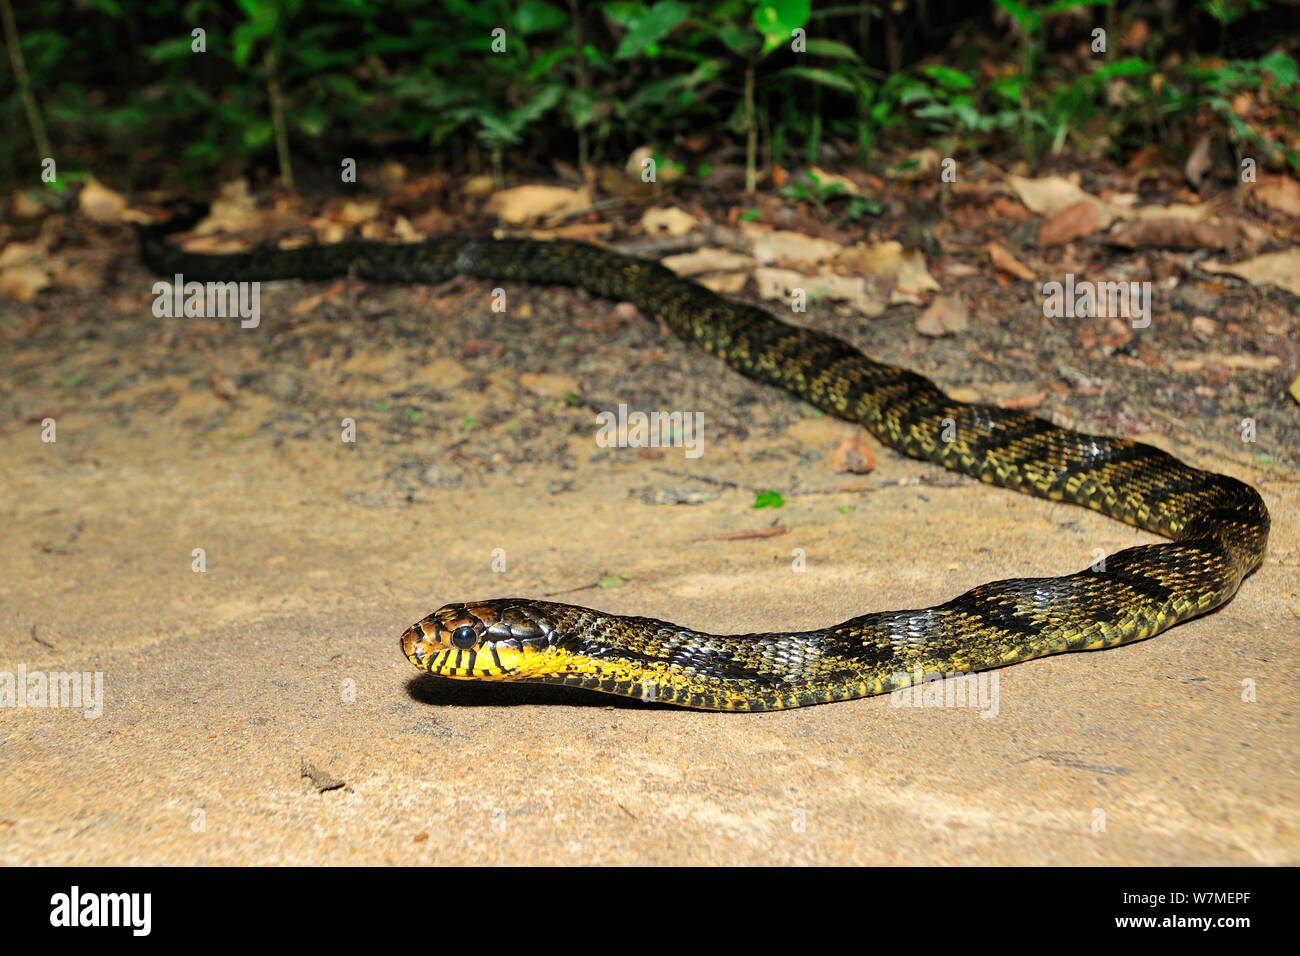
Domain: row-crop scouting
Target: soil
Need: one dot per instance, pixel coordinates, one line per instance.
(260, 711)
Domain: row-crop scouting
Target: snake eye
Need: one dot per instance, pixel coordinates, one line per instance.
(464, 637)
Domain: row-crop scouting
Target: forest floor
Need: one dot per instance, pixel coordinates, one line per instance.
(260, 710)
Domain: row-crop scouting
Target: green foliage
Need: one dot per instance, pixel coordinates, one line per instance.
(121, 87)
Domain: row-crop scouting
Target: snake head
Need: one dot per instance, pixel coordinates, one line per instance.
(506, 639)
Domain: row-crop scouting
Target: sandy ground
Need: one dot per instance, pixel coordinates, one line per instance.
(475, 433)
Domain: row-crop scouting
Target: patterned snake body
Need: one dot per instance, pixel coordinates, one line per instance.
(1218, 526)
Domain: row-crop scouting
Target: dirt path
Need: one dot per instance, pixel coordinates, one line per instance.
(474, 432)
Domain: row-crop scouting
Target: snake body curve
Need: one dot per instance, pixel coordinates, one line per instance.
(1217, 526)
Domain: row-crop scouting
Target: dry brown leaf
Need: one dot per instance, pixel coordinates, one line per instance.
(913, 279)
(1259, 363)
(667, 222)
(783, 246)
(23, 206)
(21, 283)
(1072, 222)
(1281, 269)
(100, 204)
(1279, 192)
(723, 282)
(478, 186)
(780, 284)
(1199, 161)
(1176, 234)
(523, 203)
(1050, 194)
(1176, 210)
(22, 253)
(1004, 261)
(356, 212)
(707, 260)
(403, 230)
(1023, 402)
(854, 455)
(946, 315)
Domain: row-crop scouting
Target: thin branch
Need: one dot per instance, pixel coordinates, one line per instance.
(24, 82)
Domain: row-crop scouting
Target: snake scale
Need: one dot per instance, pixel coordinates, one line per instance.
(1217, 526)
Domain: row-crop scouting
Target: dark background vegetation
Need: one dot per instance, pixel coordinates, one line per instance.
(111, 88)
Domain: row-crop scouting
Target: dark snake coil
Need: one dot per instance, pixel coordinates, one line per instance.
(1217, 526)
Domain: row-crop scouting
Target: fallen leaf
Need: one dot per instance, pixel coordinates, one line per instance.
(1175, 234)
(1295, 388)
(354, 212)
(100, 204)
(1281, 269)
(1024, 402)
(854, 455)
(781, 246)
(668, 222)
(1003, 261)
(891, 261)
(24, 206)
(707, 260)
(1259, 363)
(1279, 192)
(1199, 161)
(913, 279)
(1050, 194)
(1072, 222)
(478, 186)
(724, 282)
(403, 230)
(21, 283)
(780, 284)
(22, 253)
(1175, 210)
(523, 203)
(946, 315)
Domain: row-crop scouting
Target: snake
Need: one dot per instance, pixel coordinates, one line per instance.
(1216, 526)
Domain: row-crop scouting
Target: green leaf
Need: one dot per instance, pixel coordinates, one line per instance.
(831, 48)
(1028, 19)
(169, 49)
(768, 499)
(257, 134)
(776, 20)
(1283, 69)
(535, 16)
(612, 580)
(736, 39)
(948, 78)
(653, 26)
(817, 75)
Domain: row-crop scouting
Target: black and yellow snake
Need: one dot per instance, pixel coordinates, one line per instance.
(1218, 526)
